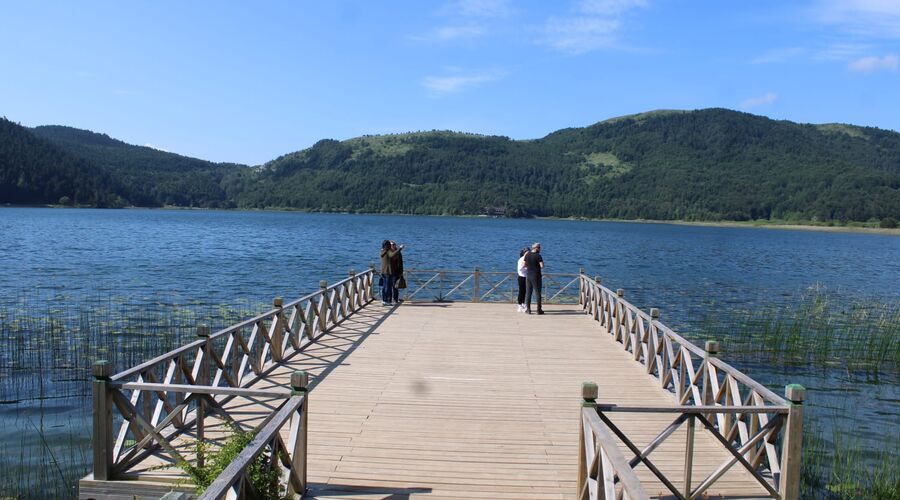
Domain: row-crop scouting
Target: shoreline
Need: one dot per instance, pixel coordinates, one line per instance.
(733, 224)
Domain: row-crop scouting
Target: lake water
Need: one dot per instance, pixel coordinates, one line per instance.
(165, 260)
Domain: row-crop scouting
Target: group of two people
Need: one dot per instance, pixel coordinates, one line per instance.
(529, 269)
(392, 279)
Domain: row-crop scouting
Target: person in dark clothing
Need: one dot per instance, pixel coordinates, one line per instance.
(534, 264)
(387, 277)
(396, 270)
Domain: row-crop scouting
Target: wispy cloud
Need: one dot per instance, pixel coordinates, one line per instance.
(871, 64)
(762, 100)
(779, 55)
(591, 25)
(447, 33)
(454, 83)
(483, 8)
(868, 18)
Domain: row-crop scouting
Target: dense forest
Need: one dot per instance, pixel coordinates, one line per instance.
(712, 164)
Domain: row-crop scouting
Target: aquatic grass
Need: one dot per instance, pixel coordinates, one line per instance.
(48, 346)
(817, 330)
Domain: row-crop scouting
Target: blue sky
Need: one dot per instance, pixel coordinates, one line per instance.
(246, 82)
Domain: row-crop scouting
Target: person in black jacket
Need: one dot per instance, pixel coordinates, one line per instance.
(534, 264)
(396, 269)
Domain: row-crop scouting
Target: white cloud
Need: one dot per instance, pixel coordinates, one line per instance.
(451, 84)
(841, 51)
(483, 8)
(872, 64)
(780, 55)
(868, 18)
(763, 100)
(576, 35)
(592, 25)
(447, 33)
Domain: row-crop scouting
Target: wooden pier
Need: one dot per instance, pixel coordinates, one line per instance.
(450, 395)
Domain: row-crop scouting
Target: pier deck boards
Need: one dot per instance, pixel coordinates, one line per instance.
(468, 400)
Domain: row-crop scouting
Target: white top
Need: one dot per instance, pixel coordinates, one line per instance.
(522, 269)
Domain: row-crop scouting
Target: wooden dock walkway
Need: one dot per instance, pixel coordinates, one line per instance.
(461, 400)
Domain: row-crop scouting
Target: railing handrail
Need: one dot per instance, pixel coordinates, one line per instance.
(669, 332)
(235, 470)
(632, 488)
(228, 329)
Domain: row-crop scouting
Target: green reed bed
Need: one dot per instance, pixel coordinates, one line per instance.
(818, 330)
(46, 349)
(836, 344)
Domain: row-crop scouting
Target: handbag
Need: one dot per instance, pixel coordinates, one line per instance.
(401, 283)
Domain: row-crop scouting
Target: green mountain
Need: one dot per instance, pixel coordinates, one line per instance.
(34, 171)
(712, 164)
(152, 177)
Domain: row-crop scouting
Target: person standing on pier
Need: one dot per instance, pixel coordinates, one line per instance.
(522, 272)
(534, 264)
(387, 277)
(397, 271)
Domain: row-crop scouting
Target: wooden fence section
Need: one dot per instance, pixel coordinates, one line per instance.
(188, 394)
(674, 420)
(485, 286)
(761, 430)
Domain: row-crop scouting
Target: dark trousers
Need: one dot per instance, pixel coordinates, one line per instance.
(533, 284)
(394, 289)
(521, 299)
(387, 287)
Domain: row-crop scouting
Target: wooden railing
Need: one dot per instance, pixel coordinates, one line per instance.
(185, 390)
(761, 430)
(485, 286)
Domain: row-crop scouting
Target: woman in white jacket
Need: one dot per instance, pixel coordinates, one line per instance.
(521, 271)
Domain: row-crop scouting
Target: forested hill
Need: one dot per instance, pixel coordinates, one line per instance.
(712, 164)
(34, 171)
(152, 177)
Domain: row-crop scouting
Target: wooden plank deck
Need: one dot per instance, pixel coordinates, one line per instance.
(466, 400)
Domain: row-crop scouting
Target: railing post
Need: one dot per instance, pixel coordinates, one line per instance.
(651, 345)
(476, 286)
(298, 439)
(278, 330)
(354, 293)
(589, 393)
(370, 290)
(689, 455)
(323, 310)
(202, 379)
(581, 287)
(791, 452)
(101, 370)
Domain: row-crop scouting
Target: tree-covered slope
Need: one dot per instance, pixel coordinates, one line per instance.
(710, 164)
(152, 177)
(34, 171)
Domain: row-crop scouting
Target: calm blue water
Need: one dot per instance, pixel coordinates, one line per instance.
(181, 259)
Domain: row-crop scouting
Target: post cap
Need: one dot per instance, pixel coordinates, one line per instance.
(278, 301)
(589, 391)
(598, 280)
(323, 284)
(712, 346)
(299, 380)
(795, 393)
(101, 369)
(203, 330)
(351, 273)
(371, 265)
(580, 270)
(477, 269)
(654, 313)
(620, 292)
